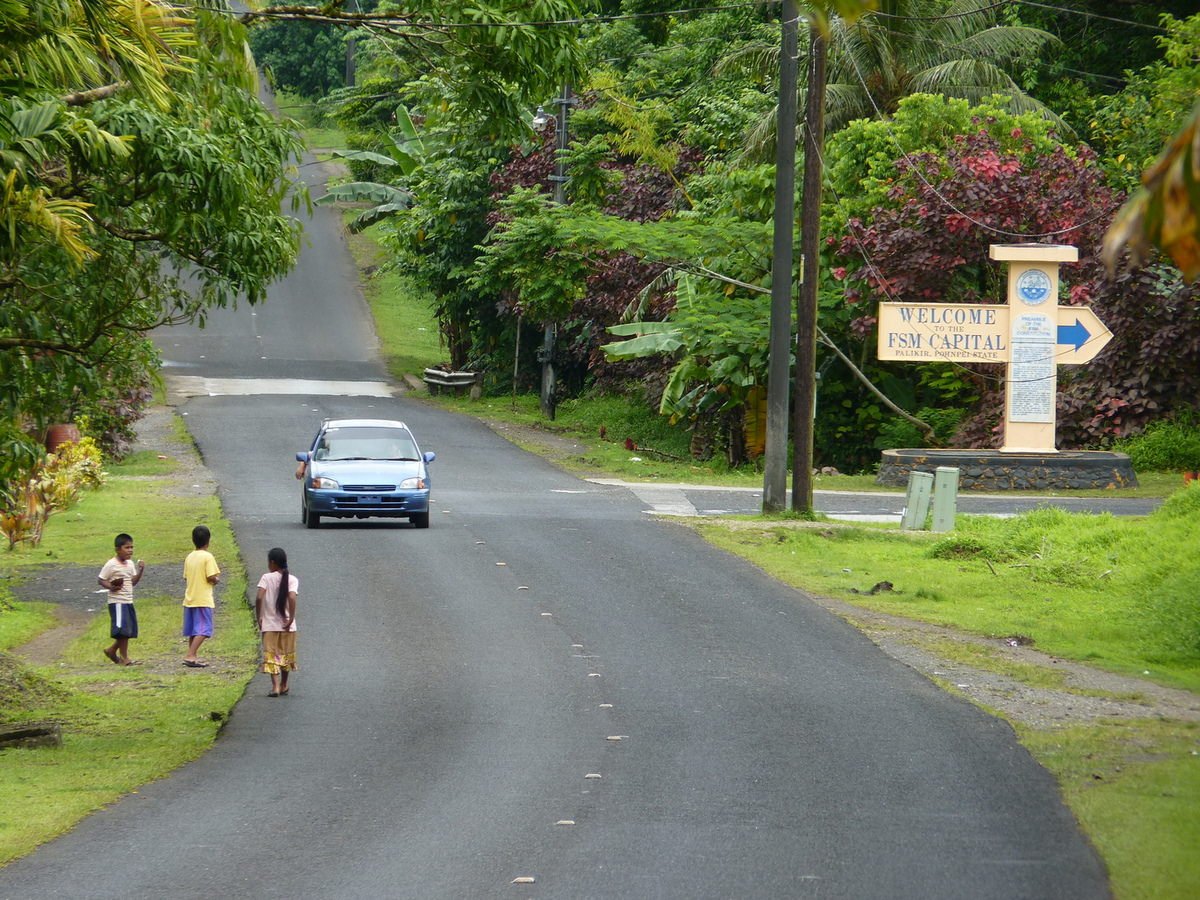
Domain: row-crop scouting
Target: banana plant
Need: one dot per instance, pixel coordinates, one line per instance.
(407, 154)
(723, 342)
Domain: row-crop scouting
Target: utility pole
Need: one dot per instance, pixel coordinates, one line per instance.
(546, 353)
(775, 451)
(805, 390)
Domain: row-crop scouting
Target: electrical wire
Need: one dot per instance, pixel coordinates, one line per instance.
(1091, 15)
(386, 20)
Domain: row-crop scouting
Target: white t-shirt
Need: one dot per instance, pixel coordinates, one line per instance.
(115, 567)
(272, 620)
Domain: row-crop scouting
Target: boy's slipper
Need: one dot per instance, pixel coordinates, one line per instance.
(195, 664)
(273, 694)
(133, 662)
(112, 655)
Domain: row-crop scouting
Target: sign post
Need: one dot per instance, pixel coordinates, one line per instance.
(1031, 334)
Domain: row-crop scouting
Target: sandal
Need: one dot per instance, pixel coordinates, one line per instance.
(273, 694)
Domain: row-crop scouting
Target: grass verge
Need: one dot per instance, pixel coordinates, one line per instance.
(1135, 787)
(122, 727)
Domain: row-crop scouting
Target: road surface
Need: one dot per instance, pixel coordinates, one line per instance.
(547, 694)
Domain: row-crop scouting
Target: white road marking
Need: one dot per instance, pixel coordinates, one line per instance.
(184, 386)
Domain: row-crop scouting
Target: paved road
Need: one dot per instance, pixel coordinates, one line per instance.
(696, 500)
(544, 654)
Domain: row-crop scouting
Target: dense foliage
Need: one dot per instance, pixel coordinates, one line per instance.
(142, 186)
(656, 270)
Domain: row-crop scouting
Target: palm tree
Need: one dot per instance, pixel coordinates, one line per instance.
(955, 48)
(55, 58)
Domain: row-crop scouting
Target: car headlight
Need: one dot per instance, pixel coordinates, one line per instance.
(413, 484)
(324, 483)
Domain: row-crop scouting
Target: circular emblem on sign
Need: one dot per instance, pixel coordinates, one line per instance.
(1033, 285)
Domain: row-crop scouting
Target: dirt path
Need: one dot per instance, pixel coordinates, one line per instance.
(73, 589)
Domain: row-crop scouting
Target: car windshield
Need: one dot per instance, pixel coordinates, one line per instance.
(366, 443)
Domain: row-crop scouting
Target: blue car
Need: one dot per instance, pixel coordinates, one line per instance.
(360, 468)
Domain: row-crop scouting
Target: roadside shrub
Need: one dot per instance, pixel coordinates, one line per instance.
(1168, 445)
(54, 484)
(897, 432)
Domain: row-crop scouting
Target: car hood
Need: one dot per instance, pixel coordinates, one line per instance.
(368, 471)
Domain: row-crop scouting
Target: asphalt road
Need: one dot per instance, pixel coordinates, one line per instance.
(867, 506)
(544, 654)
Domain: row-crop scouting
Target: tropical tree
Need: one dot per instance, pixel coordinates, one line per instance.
(1130, 127)
(141, 185)
(477, 66)
(953, 48)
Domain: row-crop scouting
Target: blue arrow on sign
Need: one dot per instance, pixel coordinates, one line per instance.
(1076, 334)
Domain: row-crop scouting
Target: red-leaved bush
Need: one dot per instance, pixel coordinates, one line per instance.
(930, 244)
(615, 280)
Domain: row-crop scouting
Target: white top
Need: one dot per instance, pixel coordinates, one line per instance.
(271, 619)
(115, 567)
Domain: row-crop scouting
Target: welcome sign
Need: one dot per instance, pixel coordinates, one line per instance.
(1031, 334)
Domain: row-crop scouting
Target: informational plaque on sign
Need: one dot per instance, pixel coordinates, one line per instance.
(1032, 375)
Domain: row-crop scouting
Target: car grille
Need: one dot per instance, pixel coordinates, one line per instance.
(369, 488)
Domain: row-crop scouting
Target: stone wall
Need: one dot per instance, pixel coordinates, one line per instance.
(991, 470)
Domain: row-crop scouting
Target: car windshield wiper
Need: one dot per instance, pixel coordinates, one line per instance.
(403, 459)
(346, 458)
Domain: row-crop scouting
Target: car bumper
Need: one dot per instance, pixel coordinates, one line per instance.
(349, 505)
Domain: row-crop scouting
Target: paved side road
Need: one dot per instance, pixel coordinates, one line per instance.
(701, 500)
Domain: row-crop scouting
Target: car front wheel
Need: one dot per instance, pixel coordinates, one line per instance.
(420, 520)
(310, 519)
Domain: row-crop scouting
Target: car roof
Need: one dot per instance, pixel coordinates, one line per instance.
(364, 423)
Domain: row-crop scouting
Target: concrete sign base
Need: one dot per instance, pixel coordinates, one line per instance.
(993, 470)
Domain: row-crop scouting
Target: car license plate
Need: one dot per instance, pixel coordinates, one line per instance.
(369, 499)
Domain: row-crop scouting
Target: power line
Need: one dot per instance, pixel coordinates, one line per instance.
(392, 21)
(1091, 15)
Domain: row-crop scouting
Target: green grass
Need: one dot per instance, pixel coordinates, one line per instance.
(160, 524)
(1119, 593)
(317, 134)
(1135, 787)
(144, 462)
(404, 320)
(21, 622)
(122, 727)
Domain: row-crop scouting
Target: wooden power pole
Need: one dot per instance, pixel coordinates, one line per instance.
(775, 451)
(804, 392)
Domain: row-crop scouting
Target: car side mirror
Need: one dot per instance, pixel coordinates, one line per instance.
(302, 456)
(429, 456)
